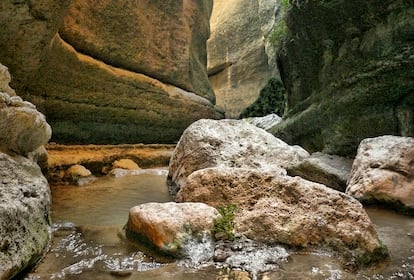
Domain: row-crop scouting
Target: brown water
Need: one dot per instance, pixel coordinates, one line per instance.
(88, 241)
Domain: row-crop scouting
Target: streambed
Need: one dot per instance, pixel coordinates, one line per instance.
(88, 240)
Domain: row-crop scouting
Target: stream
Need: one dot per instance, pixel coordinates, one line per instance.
(88, 240)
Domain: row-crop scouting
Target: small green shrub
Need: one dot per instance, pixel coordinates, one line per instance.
(224, 227)
(271, 100)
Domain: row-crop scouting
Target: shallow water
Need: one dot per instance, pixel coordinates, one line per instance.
(88, 241)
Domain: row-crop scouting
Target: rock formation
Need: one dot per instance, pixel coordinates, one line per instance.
(240, 59)
(111, 73)
(281, 209)
(229, 143)
(348, 74)
(329, 170)
(169, 227)
(383, 172)
(231, 162)
(24, 192)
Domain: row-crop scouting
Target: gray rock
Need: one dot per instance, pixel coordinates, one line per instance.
(265, 122)
(383, 172)
(24, 214)
(229, 143)
(329, 170)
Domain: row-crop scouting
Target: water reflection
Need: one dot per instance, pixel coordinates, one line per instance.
(89, 243)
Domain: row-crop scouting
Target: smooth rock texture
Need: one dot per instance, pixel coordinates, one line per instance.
(228, 143)
(5, 79)
(125, 163)
(170, 226)
(348, 75)
(383, 172)
(22, 128)
(273, 208)
(329, 170)
(24, 214)
(113, 73)
(240, 59)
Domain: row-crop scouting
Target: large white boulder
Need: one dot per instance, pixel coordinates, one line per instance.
(383, 172)
(229, 143)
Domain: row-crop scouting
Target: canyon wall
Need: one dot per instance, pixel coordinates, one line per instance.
(240, 58)
(111, 73)
(348, 68)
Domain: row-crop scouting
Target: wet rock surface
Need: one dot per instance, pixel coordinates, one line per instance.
(173, 227)
(383, 172)
(274, 208)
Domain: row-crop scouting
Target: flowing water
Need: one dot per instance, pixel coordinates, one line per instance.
(88, 241)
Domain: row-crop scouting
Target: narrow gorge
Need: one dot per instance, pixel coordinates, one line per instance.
(211, 139)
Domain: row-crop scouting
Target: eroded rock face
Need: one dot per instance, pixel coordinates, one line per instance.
(229, 143)
(274, 208)
(347, 74)
(240, 61)
(113, 73)
(383, 172)
(170, 226)
(23, 128)
(24, 214)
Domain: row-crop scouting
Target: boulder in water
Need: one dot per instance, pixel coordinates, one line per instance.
(383, 172)
(174, 228)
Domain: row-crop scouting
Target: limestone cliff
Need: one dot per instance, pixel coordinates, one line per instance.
(240, 59)
(348, 67)
(105, 72)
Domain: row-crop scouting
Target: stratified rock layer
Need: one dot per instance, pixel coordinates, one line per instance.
(383, 172)
(240, 60)
(349, 74)
(113, 73)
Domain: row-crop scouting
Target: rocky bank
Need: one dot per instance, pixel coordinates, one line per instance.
(24, 192)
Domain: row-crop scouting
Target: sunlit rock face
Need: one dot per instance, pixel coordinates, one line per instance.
(240, 60)
(383, 172)
(348, 74)
(112, 73)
